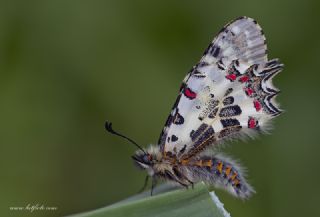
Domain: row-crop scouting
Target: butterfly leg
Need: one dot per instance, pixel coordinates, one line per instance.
(175, 178)
(144, 185)
(153, 185)
(190, 182)
(183, 177)
(182, 184)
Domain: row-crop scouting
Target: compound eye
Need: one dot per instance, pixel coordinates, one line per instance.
(147, 158)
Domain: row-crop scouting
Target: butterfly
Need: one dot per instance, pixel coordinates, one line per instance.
(227, 95)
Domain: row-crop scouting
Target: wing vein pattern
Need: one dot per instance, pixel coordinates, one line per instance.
(229, 94)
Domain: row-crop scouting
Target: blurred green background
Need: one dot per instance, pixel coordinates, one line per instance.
(67, 66)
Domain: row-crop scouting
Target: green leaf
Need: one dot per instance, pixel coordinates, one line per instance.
(197, 202)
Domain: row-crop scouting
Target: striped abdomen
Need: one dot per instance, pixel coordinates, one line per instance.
(219, 172)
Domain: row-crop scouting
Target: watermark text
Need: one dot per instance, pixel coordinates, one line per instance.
(33, 207)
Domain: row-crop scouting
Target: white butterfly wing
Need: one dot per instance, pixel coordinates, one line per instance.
(240, 39)
(228, 94)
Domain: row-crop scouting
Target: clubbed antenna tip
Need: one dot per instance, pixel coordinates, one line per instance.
(108, 126)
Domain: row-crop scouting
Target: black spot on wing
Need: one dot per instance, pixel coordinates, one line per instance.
(223, 30)
(208, 49)
(220, 65)
(229, 90)
(230, 111)
(198, 74)
(183, 149)
(202, 137)
(178, 118)
(201, 64)
(228, 101)
(229, 122)
(228, 131)
(205, 136)
(233, 69)
(174, 138)
(191, 133)
(215, 51)
(195, 134)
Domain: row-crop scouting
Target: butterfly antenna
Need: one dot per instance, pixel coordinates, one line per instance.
(108, 126)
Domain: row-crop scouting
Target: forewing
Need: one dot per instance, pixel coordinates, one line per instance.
(228, 94)
(240, 39)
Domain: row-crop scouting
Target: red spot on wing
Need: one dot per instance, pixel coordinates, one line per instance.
(244, 78)
(249, 91)
(189, 93)
(252, 123)
(257, 105)
(231, 77)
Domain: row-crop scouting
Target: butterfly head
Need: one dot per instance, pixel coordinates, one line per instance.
(143, 160)
(148, 159)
